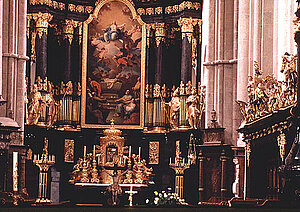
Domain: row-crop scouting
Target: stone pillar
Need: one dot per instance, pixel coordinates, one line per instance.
(243, 50)
(257, 31)
(267, 40)
(1, 77)
(42, 21)
(236, 116)
(210, 69)
(187, 30)
(160, 39)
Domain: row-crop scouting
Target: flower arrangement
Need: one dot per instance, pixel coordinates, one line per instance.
(164, 199)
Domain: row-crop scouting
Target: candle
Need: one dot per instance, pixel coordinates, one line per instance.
(94, 151)
(129, 151)
(170, 160)
(183, 160)
(84, 151)
(15, 171)
(140, 149)
(34, 157)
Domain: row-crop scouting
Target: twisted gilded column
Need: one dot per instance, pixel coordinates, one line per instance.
(188, 46)
(42, 22)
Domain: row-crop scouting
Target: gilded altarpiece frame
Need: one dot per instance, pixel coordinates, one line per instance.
(113, 67)
(153, 152)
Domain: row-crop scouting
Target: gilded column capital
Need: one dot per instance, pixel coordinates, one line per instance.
(160, 32)
(42, 22)
(68, 29)
(187, 26)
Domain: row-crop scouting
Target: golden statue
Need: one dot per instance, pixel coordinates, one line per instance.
(34, 107)
(174, 105)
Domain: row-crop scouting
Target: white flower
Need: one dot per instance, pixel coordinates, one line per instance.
(147, 201)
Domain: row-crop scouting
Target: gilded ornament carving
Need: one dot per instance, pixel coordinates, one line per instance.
(266, 94)
(80, 8)
(160, 32)
(281, 141)
(55, 4)
(156, 91)
(42, 21)
(248, 152)
(69, 151)
(296, 22)
(141, 11)
(154, 152)
(158, 10)
(89, 9)
(61, 6)
(149, 11)
(68, 29)
(72, 7)
(187, 27)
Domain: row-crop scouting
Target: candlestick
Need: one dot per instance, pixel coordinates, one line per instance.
(129, 151)
(15, 171)
(84, 151)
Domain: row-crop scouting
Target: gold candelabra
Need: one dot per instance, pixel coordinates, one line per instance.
(179, 166)
(44, 163)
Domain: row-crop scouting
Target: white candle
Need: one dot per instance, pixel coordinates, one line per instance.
(183, 160)
(15, 171)
(34, 157)
(170, 160)
(129, 151)
(140, 149)
(94, 151)
(84, 151)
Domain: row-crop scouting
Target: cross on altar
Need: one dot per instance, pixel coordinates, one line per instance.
(131, 192)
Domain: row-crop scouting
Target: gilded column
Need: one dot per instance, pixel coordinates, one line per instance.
(150, 55)
(187, 30)
(42, 22)
(160, 33)
(68, 35)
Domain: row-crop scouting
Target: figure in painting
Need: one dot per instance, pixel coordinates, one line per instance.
(113, 32)
(126, 105)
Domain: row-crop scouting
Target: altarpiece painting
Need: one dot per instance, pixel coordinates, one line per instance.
(113, 66)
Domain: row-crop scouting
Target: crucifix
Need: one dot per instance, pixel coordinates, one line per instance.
(131, 192)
